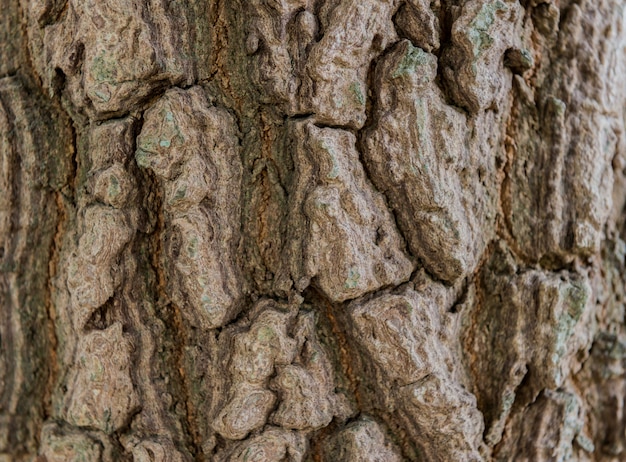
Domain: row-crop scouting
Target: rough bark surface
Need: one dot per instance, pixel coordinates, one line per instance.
(312, 230)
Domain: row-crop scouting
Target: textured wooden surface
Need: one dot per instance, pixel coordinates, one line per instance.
(312, 230)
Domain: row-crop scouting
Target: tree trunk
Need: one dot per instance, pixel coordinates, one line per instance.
(312, 230)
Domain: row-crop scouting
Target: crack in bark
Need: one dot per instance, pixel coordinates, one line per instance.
(53, 259)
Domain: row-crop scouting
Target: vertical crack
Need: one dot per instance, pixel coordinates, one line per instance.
(169, 313)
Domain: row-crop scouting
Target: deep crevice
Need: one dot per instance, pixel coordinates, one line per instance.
(165, 309)
(102, 317)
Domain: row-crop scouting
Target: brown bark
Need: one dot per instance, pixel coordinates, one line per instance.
(305, 230)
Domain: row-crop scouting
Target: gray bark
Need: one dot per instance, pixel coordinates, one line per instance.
(312, 230)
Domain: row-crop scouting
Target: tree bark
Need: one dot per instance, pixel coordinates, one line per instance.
(312, 230)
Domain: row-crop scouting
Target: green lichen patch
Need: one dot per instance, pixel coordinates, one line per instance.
(208, 305)
(192, 247)
(103, 95)
(180, 193)
(353, 278)
(355, 88)
(574, 297)
(334, 172)
(479, 27)
(114, 188)
(142, 157)
(266, 334)
(577, 294)
(414, 58)
(104, 68)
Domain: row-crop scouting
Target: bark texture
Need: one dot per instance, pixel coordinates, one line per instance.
(312, 230)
